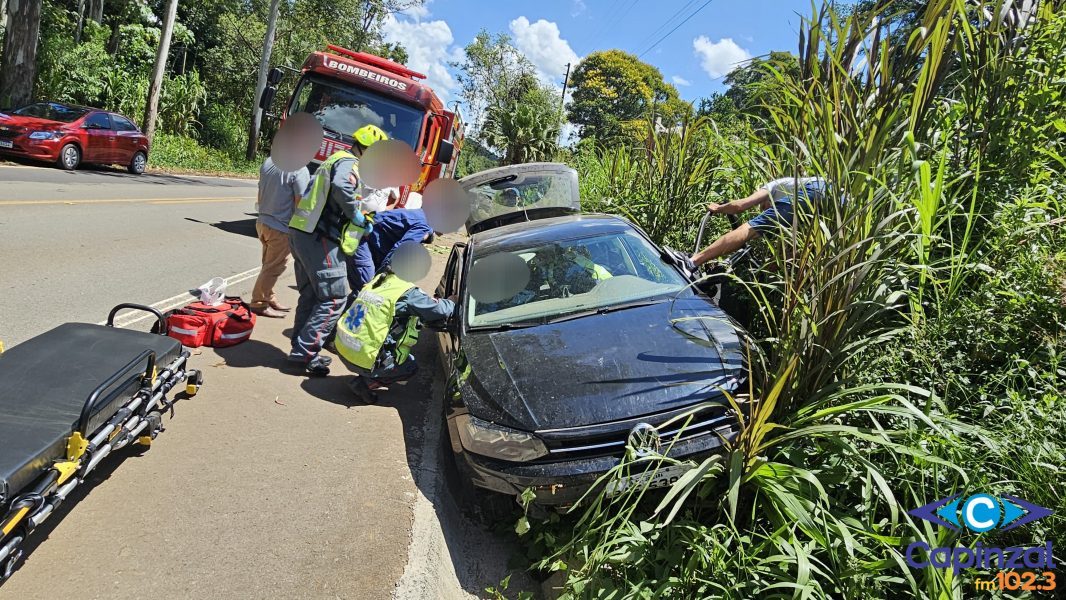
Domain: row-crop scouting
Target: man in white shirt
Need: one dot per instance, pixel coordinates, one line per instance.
(776, 198)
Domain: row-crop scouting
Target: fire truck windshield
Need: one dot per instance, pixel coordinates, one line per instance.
(342, 108)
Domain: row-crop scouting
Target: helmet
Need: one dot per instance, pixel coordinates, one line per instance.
(368, 134)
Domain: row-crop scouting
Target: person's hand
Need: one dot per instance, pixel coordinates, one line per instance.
(718, 209)
(454, 298)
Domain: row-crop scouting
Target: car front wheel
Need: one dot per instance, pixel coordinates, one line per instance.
(137, 163)
(69, 157)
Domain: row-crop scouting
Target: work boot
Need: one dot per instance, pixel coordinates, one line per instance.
(361, 391)
(318, 366)
(269, 311)
(280, 307)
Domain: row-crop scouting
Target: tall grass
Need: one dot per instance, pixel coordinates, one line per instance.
(839, 435)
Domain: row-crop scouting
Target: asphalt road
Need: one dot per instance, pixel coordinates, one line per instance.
(73, 244)
(264, 485)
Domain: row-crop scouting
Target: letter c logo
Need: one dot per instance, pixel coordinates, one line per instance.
(981, 512)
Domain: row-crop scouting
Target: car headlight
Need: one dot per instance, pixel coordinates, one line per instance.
(496, 441)
(45, 135)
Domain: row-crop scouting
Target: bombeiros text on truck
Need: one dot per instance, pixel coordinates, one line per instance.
(345, 90)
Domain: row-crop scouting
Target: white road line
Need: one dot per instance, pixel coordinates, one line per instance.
(178, 300)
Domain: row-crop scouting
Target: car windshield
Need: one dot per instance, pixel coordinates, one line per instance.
(343, 108)
(570, 277)
(52, 112)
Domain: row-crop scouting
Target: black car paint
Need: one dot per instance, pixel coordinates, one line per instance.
(594, 376)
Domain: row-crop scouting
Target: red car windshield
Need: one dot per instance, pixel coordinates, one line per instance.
(343, 108)
(52, 112)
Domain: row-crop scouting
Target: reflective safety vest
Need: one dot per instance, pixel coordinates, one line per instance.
(597, 272)
(309, 209)
(362, 329)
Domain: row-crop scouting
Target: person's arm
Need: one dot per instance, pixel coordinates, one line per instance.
(300, 180)
(727, 244)
(427, 308)
(343, 189)
(760, 196)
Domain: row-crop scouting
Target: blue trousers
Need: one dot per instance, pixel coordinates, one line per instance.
(321, 278)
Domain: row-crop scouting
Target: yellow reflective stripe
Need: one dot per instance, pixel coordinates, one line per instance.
(407, 340)
(14, 520)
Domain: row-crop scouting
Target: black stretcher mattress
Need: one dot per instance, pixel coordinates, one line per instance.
(44, 383)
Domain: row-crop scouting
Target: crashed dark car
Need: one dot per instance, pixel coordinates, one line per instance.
(573, 336)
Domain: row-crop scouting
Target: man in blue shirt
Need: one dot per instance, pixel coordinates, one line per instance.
(391, 228)
(777, 198)
(279, 192)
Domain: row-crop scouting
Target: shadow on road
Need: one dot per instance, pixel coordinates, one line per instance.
(444, 539)
(245, 227)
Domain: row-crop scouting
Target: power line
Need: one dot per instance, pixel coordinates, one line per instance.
(608, 24)
(659, 41)
(666, 23)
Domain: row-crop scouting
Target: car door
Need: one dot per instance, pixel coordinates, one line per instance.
(100, 138)
(127, 139)
(450, 284)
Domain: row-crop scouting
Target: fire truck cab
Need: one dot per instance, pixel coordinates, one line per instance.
(346, 90)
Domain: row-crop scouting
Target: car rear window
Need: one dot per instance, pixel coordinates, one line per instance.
(52, 112)
(570, 276)
(122, 123)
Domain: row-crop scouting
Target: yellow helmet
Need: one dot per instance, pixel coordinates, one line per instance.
(367, 135)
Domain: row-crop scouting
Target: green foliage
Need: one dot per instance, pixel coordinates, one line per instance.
(613, 88)
(183, 153)
(908, 337)
(180, 103)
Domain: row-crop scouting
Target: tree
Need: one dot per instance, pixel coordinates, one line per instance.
(755, 85)
(510, 109)
(260, 83)
(18, 70)
(613, 88)
(151, 111)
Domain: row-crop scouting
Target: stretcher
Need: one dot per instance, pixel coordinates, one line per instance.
(68, 399)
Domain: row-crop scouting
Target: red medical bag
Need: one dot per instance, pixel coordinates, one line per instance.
(198, 324)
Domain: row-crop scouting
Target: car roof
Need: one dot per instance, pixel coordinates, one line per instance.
(542, 231)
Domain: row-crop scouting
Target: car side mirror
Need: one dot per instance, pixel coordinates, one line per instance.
(274, 77)
(445, 151)
(267, 99)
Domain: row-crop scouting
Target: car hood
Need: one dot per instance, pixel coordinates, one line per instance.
(602, 368)
(9, 119)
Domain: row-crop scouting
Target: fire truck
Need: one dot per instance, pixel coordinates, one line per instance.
(345, 90)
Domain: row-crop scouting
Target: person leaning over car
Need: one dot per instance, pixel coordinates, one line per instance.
(376, 334)
(776, 199)
(279, 192)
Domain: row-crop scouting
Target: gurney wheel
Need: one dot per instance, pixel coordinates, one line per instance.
(8, 568)
(193, 382)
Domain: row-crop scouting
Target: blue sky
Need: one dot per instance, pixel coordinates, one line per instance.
(553, 32)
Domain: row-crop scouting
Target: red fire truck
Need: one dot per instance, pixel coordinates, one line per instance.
(345, 90)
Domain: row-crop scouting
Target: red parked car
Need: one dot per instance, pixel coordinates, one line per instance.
(70, 135)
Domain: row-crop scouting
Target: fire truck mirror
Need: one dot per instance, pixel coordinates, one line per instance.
(445, 151)
(274, 76)
(267, 99)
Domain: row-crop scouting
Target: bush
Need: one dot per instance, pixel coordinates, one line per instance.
(179, 152)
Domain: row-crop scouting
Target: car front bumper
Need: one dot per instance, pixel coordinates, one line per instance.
(560, 483)
(22, 146)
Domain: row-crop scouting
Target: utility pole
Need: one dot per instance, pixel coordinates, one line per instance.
(566, 79)
(151, 111)
(260, 83)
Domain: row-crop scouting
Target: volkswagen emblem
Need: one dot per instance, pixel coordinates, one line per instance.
(644, 439)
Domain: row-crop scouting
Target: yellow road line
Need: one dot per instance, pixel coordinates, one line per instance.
(130, 200)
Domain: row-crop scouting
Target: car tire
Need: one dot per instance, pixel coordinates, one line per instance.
(69, 157)
(137, 163)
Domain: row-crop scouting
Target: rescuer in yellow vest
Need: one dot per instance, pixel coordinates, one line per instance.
(328, 222)
(376, 334)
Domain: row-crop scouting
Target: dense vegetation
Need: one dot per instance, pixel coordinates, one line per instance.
(908, 338)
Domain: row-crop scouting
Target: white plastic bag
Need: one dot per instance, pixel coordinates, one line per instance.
(213, 292)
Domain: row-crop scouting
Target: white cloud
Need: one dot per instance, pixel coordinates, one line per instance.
(679, 80)
(429, 49)
(418, 10)
(578, 8)
(719, 58)
(544, 47)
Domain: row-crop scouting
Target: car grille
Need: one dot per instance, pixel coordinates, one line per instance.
(7, 133)
(611, 439)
